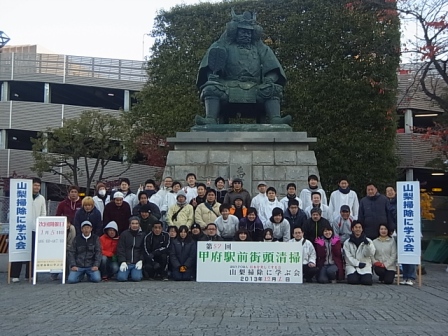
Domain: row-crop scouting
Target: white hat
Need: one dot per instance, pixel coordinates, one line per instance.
(118, 195)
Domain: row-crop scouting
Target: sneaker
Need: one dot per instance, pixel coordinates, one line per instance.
(14, 280)
(104, 279)
(165, 278)
(404, 282)
(409, 282)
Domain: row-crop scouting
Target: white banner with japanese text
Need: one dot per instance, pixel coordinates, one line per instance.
(249, 262)
(20, 218)
(408, 223)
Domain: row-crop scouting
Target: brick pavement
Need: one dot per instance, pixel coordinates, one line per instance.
(172, 308)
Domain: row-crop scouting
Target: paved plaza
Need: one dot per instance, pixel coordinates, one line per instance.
(173, 308)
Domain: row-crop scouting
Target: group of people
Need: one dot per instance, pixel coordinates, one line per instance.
(153, 234)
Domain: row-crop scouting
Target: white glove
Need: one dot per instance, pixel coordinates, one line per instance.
(123, 267)
(139, 265)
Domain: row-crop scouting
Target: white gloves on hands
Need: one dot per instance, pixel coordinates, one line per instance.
(123, 267)
(139, 265)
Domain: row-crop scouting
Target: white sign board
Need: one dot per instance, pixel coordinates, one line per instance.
(20, 218)
(249, 262)
(51, 237)
(408, 223)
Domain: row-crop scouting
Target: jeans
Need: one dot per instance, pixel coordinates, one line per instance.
(136, 275)
(409, 272)
(76, 276)
(108, 268)
(327, 273)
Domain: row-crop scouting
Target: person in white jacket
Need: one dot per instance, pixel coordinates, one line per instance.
(159, 197)
(313, 185)
(226, 224)
(171, 197)
(291, 189)
(191, 189)
(101, 198)
(385, 258)
(279, 225)
(359, 251)
(261, 197)
(316, 202)
(266, 207)
(309, 268)
(343, 196)
(342, 224)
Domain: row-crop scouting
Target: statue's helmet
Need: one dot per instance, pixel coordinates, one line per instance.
(247, 20)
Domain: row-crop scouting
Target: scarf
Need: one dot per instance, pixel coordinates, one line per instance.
(310, 188)
(359, 240)
(344, 191)
(290, 197)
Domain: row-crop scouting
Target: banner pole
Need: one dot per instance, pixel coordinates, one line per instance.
(419, 275)
(398, 275)
(9, 272)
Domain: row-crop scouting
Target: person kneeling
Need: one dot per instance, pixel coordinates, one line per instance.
(84, 255)
(183, 256)
(308, 255)
(329, 256)
(130, 252)
(359, 251)
(156, 246)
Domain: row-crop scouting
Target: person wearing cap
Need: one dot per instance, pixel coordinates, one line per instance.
(128, 195)
(144, 198)
(359, 251)
(294, 215)
(208, 211)
(314, 226)
(279, 225)
(343, 196)
(261, 197)
(238, 209)
(101, 197)
(130, 252)
(109, 242)
(89, 212)
(156, 249)
(266, 207)
(238, 190)
(201, 190)
(291, 190)
(84, 256)
(316, 202)
(197, 234)
(308, 255)
(313, 185)
(226, 223)
(180, 213)
(118, 211)
(221, 191)
(69, 205)
(147, 219)
(342, 224)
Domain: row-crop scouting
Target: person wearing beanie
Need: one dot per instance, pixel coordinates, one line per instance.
(208, 211)
(266, 207)
(261, 196)
(252, 224)
(294, 215)
(316, 202)
(279, 225)
(291, 190)
(156, 246)
(238, 209)
(128, 195)
(314, 226)
(147, 219)
(109, 243)
(221, 191)
(101, 197)
(343, 196)
(342, 224)
(143, 199)
(309, 268)
(226, 223)
(118, 211)
(84, 256)
(180, 213)
(313, 185)
(359, 251)
(183, 251)
(130, 252)
(329, 256)
(197, 234)
(237, 190)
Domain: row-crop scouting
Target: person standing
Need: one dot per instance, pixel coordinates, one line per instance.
(118, 211)
(71, 204)
(261, 197)
(208, 211)
(266, 207)
(291, 190)
(221, 191)
(128, 195)
(313, 185)
(101, 198)
(343, 196)
(237, 190)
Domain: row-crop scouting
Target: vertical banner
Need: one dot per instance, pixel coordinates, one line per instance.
(249, 262)
(50, 252)
(20, 217)
(408, 223)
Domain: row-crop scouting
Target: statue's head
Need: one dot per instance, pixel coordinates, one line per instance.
(242, 25)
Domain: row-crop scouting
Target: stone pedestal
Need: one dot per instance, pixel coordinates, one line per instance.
(277, 157)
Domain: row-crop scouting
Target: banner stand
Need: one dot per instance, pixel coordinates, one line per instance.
(419, 275)
(398, 275)
(9, 272)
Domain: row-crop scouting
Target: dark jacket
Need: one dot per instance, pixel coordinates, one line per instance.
(130, 247)
(321, 244)
(298, 220)
(213, 238)
(374, 211)
(156, 245)
(254, 228)
(220, 195)
(393, 213)
(146, 224)
(68, 208)
(85, 252)
(243, 193)
(200, 237)
(183, 252)
(93, 217)
(118, 214)
(312, 230)
(155, 211)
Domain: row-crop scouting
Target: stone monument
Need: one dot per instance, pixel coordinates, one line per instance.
(240, 76)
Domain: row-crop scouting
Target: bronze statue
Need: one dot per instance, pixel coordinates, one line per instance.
(241, 76)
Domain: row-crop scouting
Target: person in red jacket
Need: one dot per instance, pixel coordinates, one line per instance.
(72, 203)
(329, 256)
(118, 211)
(109, 243)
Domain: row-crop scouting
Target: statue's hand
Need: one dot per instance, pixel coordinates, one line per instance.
(268, 80)
(213, 77)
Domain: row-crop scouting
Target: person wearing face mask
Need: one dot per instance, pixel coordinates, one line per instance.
(183, 256)
(88, 212)
(252, 224)
(101, 198)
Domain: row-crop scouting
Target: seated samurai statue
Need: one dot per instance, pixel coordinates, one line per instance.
(241, 76)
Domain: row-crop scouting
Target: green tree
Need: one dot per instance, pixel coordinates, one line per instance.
(340, 58)
(83, 147)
